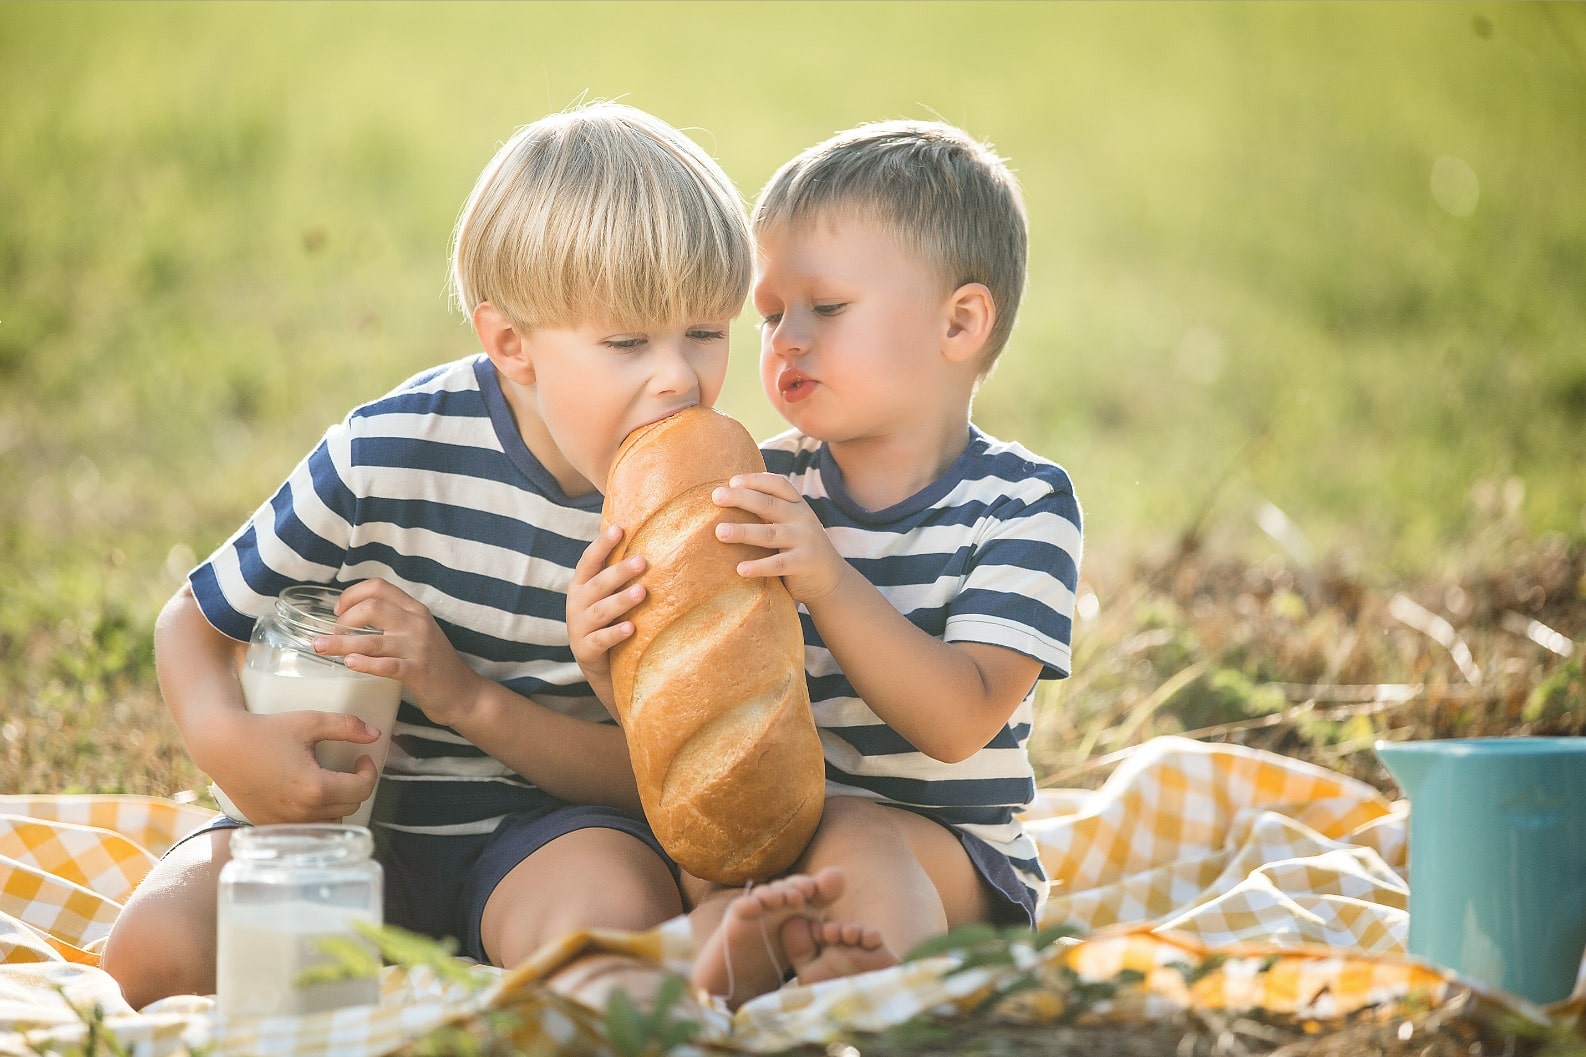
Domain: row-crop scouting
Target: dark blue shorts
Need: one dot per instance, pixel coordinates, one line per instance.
(438, 885)
(1012, 903)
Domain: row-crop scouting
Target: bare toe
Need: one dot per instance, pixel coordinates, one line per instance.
(800, 941)
(849, 934)
(841, 948)
(746, 955)
(828, 884)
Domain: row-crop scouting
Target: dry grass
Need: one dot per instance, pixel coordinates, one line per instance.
(1318, 664)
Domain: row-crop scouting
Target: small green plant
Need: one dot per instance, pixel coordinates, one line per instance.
(636, 1033)
(1084, 994)
(488, 1035)
(982, 945)
(1556, 695)
(918, 1033)
(1193, 972)
(99, 1040)
(1548, 1040)
(360, 958)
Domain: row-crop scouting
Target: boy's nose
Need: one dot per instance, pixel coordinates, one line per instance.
(675, 372)
(788, 339)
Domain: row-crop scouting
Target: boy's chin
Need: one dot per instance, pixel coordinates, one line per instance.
(577, 482)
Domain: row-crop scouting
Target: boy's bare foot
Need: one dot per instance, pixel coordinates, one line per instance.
(744, 958)
(825, 950)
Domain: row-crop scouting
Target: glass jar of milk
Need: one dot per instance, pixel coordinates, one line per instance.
(285, 891)
(282, 673)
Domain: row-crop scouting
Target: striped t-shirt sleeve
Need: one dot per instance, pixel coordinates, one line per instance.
(1022, 574)
(300, 535)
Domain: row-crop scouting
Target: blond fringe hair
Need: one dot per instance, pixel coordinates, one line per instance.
(937, 191)
(602, 214)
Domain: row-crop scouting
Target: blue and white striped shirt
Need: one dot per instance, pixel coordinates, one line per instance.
(988, 553)
(431, 488)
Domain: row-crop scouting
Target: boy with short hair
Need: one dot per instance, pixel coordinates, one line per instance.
(601, 257)
(936, 565)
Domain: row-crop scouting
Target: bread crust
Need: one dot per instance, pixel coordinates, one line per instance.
(710, 687)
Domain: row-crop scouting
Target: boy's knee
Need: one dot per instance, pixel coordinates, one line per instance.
(157, 949)
(641, 909)
(851, 810)
(589, 879)
(163, 941)
(842, 822)
(635, 899)
(847, 822)
(853, 816)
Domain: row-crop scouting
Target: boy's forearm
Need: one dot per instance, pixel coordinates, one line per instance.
(197, 670)
(570, 758)
(930, 691)
(573, 759)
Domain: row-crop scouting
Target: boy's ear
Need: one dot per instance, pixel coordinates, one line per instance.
(970, 313)
(503, 344)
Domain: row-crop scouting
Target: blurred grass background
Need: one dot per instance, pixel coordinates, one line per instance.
(1308, 281)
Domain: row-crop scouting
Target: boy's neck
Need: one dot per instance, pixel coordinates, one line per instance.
(879, 472)
(538, 440)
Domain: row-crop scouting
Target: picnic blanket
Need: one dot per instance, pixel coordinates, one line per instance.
(1199, 875)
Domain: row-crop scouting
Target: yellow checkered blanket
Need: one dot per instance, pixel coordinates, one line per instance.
(1220, 877)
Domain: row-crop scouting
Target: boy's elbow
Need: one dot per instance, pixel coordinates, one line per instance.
(952, 749)
(169, 622)
(957, 744)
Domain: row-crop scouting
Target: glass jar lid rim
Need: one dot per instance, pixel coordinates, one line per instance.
(312, 608)
(305, 844)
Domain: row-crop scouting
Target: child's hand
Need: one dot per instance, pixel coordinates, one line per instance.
(597, 601)
(805, 559)
(411, 648)
(272, 775)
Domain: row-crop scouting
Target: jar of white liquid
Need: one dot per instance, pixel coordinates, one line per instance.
(285, 891)
(282, 673)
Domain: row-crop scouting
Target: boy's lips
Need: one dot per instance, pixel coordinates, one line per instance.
(662, 417)
(795, 385)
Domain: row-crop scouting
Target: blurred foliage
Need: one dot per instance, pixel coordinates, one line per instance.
(1305, 289)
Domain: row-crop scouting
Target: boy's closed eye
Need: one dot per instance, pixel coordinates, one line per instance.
(702, 335)
(824, 311)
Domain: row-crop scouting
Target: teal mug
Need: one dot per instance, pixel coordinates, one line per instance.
(1497, 857)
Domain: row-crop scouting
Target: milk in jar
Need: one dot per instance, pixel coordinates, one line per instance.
(282, 673)
(286, 890)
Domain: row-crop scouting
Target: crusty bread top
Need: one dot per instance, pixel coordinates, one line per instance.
(646, 473)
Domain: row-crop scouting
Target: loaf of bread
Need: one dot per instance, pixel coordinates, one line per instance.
(710, 687)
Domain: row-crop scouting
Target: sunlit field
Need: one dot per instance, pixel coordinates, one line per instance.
(1306, 313)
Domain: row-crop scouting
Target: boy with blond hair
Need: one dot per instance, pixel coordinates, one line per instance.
(600, 257)
(935, 565)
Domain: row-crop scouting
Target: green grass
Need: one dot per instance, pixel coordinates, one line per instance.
(222, 225)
